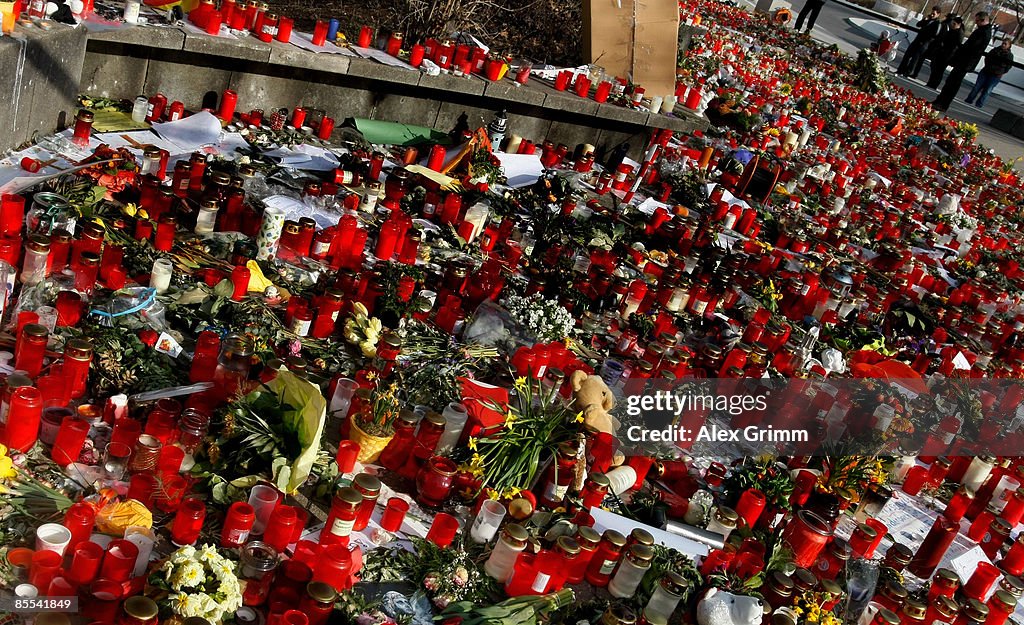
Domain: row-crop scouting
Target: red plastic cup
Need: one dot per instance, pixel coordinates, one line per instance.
(102, 601)
(348, 451)
(60, 587)
(443, 529)
(171, 457)
(334, 567)
(394, 514)
(70, 440)
(126, 431)
(44, 567)
(119, 561)
(85, 563)
(141, 488)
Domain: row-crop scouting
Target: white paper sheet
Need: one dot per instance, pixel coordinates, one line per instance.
(606, 520)
(191, 133)
(305, 41)
(382, 57)
(193, 29)
(308, 157)
(520, 169)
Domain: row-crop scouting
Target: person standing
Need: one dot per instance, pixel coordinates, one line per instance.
(967, 57)
(810, 13)
(998, 61)
(942, 50)
(927, 30)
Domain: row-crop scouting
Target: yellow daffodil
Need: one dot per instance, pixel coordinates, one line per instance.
(472, 443)
(579, 417)
(7, 470)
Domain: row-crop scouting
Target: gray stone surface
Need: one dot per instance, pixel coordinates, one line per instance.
(10, 89)
(532, 127)
(339, 101)
(448, 114)
(512, 91)
(469, 85)
(291, 56)
(570, 134)
(114, 71)
(248, 49)
(264, 92)
(406, 109)
(52, 71)
(566, 101)
(373, 70)
(188, 84)
(166, 37)
(611, 112)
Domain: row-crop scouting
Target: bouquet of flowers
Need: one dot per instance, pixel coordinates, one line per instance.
(548, 320)
(198, 582)
(363, 331)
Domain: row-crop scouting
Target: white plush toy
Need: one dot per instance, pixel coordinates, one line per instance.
(723, 608)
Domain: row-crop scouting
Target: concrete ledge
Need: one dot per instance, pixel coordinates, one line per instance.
(168, 38)
(468, 85)
(568, 102)
(365, 68)
(287, 54)
(248, 49)
(623, 114)
(508, 90)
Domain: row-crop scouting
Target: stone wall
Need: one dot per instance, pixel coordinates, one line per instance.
(196, 68)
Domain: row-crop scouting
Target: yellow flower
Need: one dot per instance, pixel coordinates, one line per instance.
(472, 443)
(579, 417)
(7, 470)
(130, 209)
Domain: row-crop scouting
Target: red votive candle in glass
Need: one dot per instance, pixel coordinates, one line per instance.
(365, 37)
(443, 529)
(75, 369)
(434, 481)
(750, 506)
(326, 128)
(981, 581)
(31, 165)
(334, 567)
(141, 488)
(806, 534)
(102, 601)
(12, 213)
(23, 418)
(30, 348)
(188, 522)
(169, 462)
(387, 240)
(604, 89)
(45, 566)
(228, 102)
(280, 527)
(298, 117)
(342, 518)
(237, 525)
(171, 490)
(126, 431)
(416, 54)
(562, 80)
(240, 282)
(394, 514)
(85, 563)
(320, 33)
(284, 29)
(60, 587)
(213, 23)
(348, 452)
(79, 520)
(935, 545)
(582, 86)
(119, 561)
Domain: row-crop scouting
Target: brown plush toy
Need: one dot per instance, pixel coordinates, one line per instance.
(594, 399)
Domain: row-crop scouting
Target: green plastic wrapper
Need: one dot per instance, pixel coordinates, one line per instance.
(307, 420)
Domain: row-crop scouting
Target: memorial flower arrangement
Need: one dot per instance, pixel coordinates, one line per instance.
(543, 318)
(363, 331)
(198, 583)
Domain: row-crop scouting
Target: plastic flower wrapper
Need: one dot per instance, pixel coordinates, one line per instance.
(278, 425)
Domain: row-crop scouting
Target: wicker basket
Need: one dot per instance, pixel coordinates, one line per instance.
(370, 447)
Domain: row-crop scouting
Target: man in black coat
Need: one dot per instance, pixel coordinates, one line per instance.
(914, 58)
(967, 57)
(810, 13)
(943, 48)
(998, 61)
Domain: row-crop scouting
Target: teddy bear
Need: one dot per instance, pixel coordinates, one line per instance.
(594, 399)
(724, 608)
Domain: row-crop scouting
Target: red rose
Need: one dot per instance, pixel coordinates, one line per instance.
(148, 337)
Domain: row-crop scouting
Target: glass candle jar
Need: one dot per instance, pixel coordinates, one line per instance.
(1000, 606)
(778, 590)
(77, 360)
(944, 584)
(511, 543)
(977, 472)
(942, 610)
(981, 581)
(427, 435)
(806, 534)
(897, 557)
(258, 562)
(318, 602)
(666, 596)
(588, 540)
(455, 416)
(33, 268)
(30, 349)
(341, 520)
(237, 525)
(891, 595)
(83, 127)
(723, 521)
(281, 527)
(972, 612)
(369, 489)
(188, 522)
(605, 558)
(958, 504)
(595, 489)
(434, 481)
(396, 454)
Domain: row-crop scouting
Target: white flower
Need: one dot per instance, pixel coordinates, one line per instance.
(369, 349)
